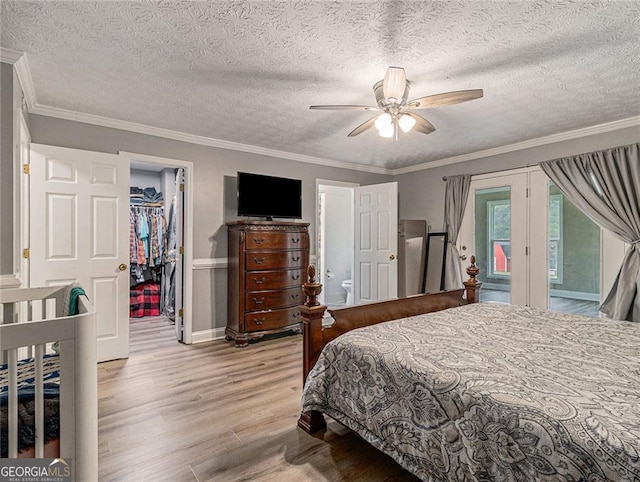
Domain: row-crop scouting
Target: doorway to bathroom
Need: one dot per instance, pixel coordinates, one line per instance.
(335, 236)
(357, 242)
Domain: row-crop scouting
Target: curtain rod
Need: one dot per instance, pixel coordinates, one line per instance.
(444, 178)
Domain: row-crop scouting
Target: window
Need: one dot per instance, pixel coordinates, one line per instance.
(499, 230)
(555, 238)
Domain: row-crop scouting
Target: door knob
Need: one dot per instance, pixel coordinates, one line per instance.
(122, 267)
(464, 248)
(392, 257)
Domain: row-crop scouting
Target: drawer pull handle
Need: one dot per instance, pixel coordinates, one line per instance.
(295, 258)
(295, 296)
(295, 240)
(258, 301)
(260, 321)
(295, 277)
(295, 315)
(259, 260)
(258, 241)
(259, 281)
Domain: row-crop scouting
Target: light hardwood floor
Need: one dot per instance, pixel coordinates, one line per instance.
(213, 412)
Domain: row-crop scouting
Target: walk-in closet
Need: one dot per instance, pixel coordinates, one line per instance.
(153, 243)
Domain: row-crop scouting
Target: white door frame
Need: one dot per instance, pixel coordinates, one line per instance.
(188, 232)
(21, 201)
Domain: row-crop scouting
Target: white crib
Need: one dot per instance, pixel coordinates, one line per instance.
(31, 321)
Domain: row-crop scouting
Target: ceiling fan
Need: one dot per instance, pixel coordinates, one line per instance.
(391, 97)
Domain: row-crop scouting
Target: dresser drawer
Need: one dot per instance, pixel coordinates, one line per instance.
(276, 240)
(269, 320)
(259, 260)
(273, 280)
(261, 300)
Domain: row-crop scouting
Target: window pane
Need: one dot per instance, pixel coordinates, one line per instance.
(574, 258)
(493, 242)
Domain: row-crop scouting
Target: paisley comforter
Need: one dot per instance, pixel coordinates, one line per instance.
(490, 392)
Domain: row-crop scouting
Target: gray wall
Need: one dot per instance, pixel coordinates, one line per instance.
(6, 169)
(214, 192)
(422, 192)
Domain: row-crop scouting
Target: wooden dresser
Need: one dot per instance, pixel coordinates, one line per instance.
(267, 266)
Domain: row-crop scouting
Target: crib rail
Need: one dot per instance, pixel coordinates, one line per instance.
(32, 319)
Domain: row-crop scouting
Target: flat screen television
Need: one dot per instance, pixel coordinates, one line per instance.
(269, 197)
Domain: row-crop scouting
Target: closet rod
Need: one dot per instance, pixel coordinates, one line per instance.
(444, 178)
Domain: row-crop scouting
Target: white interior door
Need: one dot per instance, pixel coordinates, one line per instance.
(179, 273)
(79, 232)
(375, 274)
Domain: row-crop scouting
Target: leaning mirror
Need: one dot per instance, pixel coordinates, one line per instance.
(435, 262)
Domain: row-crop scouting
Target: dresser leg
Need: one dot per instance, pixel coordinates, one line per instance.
(242, 342)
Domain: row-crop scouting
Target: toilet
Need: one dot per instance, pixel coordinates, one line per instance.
(346, 285)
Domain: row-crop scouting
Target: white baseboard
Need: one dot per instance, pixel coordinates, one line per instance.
(9, 281)
(207, 335)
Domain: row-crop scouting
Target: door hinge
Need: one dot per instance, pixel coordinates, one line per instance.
(26, 169)
(25, 253)
(181, 187)
(181, 249)
(527, 192)
(181, 312)
(526, 251)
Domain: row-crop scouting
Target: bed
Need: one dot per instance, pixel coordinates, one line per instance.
(475, 392)
(48, 377)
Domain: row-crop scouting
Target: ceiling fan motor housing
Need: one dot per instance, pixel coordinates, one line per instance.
(383, 102)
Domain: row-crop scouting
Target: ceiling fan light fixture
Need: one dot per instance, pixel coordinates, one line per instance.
(406, 123)
(383, 121)
(387, 131)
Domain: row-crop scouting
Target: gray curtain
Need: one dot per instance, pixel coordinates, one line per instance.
(455, 200)
(605, 185)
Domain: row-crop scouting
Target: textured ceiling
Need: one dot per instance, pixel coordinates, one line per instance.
(246, 72)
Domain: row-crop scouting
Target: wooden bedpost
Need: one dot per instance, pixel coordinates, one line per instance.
(472, 285)
(311, 312)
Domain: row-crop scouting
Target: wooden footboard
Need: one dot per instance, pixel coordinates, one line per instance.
(316, 336)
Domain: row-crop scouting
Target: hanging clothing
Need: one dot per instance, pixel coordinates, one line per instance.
(147, 235)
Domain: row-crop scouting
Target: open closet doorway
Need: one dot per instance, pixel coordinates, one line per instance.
(160, 240)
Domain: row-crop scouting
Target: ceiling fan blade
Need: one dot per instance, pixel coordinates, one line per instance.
(394, 84)
(422, 124)
(362, 127)
(343, 107)
(447, 98)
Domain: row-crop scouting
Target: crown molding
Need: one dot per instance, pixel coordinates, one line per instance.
(19, 60)
(195, 139)
(540, 141)
(21, 67)
(9, 56)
